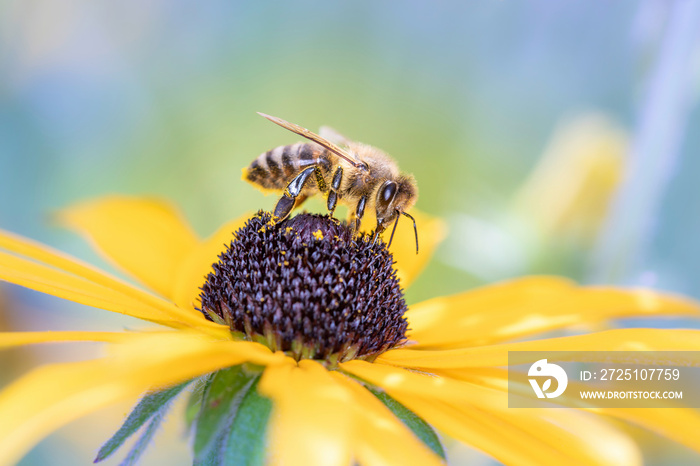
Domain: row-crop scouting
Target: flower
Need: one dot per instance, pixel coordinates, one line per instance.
(332, 403)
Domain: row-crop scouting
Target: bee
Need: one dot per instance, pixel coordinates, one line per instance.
(346, 172)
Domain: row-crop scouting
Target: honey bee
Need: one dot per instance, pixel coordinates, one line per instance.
(346, 172)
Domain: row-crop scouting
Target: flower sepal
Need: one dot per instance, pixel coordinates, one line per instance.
(232, 420)
(151, 410)
(225, 414)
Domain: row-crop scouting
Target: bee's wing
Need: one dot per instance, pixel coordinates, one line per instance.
(315, 138)
(326, 132)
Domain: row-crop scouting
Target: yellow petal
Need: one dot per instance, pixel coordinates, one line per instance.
(528, 306)
(40, 253)
(43, 269)
(676, 423)
(65, 285)
(147, 238)
(325, 418)
(478, 430)
(431, 232)
(390, 378)
(312, 420)
(195, 267)
(480, 416)
(383, 438)
(53, 272)
(53, 395)
(11, 339)
(528, 436)
(632, 339)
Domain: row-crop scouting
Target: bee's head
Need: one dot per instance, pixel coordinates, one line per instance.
(394, 198)
(406, 193)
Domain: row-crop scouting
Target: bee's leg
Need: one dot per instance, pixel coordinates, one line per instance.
(380, 228)
(332, 200)
(320, 181)
(301, 198)
(356, 218)
(292, 193)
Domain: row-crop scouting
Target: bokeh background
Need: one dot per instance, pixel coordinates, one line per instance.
(553, 137)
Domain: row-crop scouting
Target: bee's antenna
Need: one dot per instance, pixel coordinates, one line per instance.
(415, 229)
(396, 223)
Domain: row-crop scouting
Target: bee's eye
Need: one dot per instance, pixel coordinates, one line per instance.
(387, 193)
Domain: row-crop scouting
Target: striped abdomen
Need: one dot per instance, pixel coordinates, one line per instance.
(275, 168)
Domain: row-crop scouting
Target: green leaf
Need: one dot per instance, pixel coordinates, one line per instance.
(214, 456)
(419, 427)
(247, 440)
(194, 402)
(150, 404)
(221, 398)
(242, 439)
(142, 443)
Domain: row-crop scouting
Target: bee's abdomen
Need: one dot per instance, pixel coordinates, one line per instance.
(275, 168)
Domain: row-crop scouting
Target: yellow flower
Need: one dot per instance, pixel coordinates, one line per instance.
(327, 411)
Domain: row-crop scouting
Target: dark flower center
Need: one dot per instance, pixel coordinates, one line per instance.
(307, 287)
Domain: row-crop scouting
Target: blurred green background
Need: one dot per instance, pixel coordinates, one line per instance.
(159, 98)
